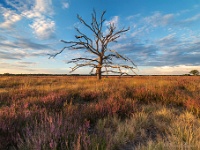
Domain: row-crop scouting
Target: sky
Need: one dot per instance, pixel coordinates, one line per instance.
(164, 35)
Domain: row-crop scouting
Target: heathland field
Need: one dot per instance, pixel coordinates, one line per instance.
(81, 113)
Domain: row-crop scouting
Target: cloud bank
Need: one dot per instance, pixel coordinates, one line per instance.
(40, 13)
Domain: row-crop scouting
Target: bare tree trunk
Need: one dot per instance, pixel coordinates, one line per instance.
(99, 73)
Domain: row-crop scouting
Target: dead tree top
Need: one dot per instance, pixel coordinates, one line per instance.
(103, 56)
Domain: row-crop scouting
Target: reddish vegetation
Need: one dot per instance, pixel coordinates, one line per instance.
(83, 113)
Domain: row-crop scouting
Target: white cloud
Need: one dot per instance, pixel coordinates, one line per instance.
(44, 6)
(114, 20)
(133, 17)
(10, 18)
(168, 40)
(176, 70)
(157, 19)
(31, 14)
(167, 70)
(120, 46)
(30, 67)
(41, 8)
(40, 13)
(149, 23)
(139, 31)
(194, 18)
(19, 5)
(65, 5)
(43, 28)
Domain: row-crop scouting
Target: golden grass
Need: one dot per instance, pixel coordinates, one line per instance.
(115, 113)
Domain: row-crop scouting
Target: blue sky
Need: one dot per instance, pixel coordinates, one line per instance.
(164, 36)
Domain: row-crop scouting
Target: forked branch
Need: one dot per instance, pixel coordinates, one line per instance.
(102, 58)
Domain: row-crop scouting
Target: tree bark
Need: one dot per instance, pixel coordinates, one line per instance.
(99, 73)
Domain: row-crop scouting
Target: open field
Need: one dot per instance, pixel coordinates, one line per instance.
(82, 113)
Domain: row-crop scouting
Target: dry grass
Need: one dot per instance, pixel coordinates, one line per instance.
(81, 113)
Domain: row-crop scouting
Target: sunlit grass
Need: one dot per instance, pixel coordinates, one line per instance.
(114, 113)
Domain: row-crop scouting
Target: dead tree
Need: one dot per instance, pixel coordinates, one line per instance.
(103, 57)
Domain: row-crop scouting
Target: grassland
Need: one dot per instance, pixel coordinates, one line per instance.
(81, 113)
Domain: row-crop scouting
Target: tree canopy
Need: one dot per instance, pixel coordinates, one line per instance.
(194, 72)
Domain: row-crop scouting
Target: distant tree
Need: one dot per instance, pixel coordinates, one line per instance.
(6, 74)
(102, 59)
(194, 72)
(187, 74)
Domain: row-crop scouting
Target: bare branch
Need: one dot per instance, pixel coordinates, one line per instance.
(118, 72)
(98, 46)
(81, 65)
(54, 55)
(84, 45)
(117, 55)
(102, 21)
(113, 36)
(82, 21)
(82, 59)
(92, 70)
(83, 36)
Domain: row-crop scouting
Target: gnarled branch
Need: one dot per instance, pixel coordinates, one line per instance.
(103, 58)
